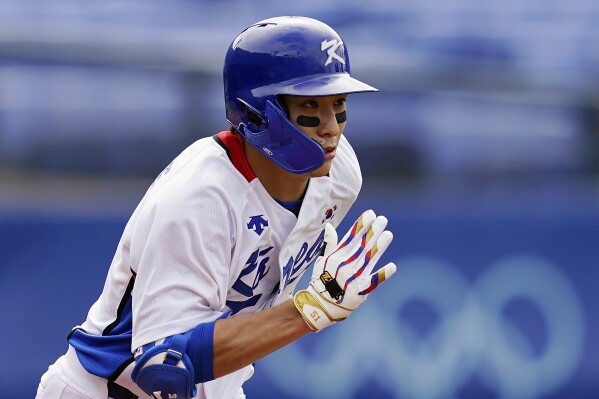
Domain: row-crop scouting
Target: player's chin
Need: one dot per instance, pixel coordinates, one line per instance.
(324, 169)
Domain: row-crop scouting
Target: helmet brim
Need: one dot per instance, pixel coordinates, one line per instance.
(315, 85)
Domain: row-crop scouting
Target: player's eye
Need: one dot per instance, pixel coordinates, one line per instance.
(311, 104)
(341, 101)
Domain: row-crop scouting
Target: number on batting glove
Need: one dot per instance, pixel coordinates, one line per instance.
(343, 277)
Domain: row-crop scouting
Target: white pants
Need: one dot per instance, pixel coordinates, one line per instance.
(67, 379)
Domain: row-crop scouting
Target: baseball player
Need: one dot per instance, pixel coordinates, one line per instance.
(203, 280)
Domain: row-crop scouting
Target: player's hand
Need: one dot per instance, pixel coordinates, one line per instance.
(343, 277)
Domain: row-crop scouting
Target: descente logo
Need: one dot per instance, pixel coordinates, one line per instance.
(257, 223)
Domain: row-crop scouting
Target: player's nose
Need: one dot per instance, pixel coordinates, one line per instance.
(328, 124)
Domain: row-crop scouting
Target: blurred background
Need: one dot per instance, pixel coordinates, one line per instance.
(482, 148)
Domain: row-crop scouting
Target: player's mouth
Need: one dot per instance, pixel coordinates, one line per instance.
(329, 152)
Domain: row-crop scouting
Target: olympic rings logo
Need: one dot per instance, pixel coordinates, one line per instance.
(472, 338)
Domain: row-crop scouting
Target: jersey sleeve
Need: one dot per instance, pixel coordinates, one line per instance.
(181, 245)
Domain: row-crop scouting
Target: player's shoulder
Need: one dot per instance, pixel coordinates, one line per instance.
(204, 163)
(346, 168)
(202, 172)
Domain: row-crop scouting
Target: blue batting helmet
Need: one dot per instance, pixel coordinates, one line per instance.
(284, 55)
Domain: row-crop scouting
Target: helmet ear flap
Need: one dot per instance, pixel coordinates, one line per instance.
(255, 121)
(283, 104)
(282, 142)
(251, 116)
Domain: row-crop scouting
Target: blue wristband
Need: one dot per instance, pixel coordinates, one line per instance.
(200, 350)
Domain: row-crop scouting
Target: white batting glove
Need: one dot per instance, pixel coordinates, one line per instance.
(342, 278)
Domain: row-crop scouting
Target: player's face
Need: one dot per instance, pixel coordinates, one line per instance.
(322, 119)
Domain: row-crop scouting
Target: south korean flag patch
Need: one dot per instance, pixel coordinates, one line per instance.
(328, 214)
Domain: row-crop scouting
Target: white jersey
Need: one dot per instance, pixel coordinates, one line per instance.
(208, 239)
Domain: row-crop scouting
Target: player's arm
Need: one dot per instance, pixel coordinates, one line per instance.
(240, 341)
(341, 281)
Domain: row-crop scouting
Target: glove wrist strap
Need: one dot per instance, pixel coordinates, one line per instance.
(312, 310)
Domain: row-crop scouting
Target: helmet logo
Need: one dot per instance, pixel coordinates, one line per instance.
(331, 46)
(266, 150)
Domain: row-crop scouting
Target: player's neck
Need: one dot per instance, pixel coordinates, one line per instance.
(279, 183)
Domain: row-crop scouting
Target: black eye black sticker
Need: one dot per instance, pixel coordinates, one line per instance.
(308, 121)
(341, 117)
(313, 121)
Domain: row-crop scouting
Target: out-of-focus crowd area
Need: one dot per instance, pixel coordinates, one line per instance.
(482, 146)
(472, 93)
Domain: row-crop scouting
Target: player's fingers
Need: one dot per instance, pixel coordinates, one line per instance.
(371, 236)
(374, 253)
(361, 244)
(360, 257)
(377, 278)
(366, 260)
(361, 225)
